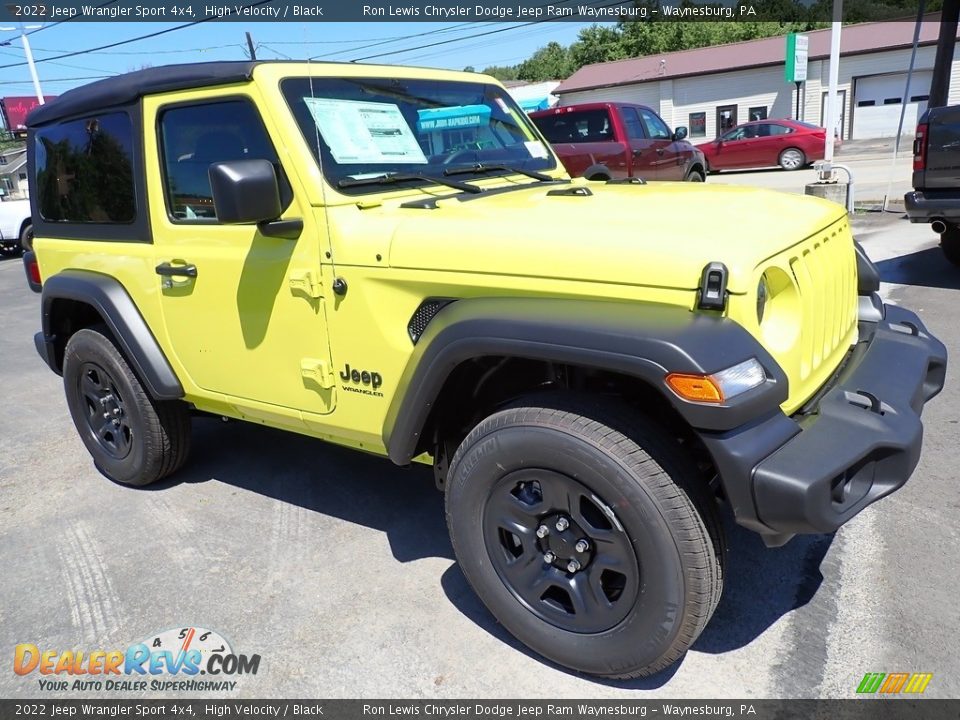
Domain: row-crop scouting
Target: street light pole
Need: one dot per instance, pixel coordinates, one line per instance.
(29, 54)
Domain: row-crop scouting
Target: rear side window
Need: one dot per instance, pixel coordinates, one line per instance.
(194, 136)
(573, 127)
(633, 124)
(85, 170)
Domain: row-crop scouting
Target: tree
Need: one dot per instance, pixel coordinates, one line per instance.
(469, 68)
(550, 62)
(596, 44)
(502, 72)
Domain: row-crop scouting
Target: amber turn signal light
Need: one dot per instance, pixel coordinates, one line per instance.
(696, 388)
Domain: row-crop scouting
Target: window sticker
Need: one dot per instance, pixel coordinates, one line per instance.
(536, 149)
(360, 132)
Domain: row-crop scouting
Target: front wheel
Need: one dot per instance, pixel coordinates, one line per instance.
(695, 176)
(586, 535)
(950, 244)
(792, 159)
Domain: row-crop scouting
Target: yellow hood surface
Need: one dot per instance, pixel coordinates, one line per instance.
(655, 235)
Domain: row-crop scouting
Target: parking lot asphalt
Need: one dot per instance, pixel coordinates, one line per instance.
(336, 569)
(875, 176)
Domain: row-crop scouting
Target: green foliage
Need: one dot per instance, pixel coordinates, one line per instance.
(502, 72)
(548, 63)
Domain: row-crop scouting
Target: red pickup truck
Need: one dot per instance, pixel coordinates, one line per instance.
(606, 141)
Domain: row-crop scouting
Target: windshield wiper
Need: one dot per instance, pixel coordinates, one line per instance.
(388, 178)
(482, 168)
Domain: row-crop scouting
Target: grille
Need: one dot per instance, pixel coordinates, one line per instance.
(826, 275)
(423, 315)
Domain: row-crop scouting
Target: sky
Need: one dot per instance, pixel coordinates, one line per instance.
(226, 41)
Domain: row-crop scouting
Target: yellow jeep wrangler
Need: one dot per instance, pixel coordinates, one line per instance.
(392, 259)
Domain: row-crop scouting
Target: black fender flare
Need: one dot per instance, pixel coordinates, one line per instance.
(642, 340)
(113, 303)
(598, 169)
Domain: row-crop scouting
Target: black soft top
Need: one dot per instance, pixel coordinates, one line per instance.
(126, 88)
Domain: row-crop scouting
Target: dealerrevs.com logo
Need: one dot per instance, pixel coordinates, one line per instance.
(168, 661)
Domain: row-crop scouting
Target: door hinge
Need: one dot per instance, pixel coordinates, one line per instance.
(317, 370)
(306, 282)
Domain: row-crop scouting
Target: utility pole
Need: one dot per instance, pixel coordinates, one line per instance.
(832, 113)
(250, 48)
(29, 54)
(943, 61)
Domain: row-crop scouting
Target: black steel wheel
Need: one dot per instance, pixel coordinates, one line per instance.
(587, 532)
(132, 438)
(560, 550)
(106, 421)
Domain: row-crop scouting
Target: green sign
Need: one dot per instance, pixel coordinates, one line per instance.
(796, 57)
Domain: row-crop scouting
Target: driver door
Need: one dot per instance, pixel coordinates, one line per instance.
(243, 312)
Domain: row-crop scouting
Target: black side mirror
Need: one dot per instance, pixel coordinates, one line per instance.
(247, 191)
(680, 133)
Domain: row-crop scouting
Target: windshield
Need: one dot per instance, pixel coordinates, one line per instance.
(362, 128)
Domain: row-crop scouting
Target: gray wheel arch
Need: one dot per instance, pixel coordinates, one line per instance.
(645, 341)
(110, 300)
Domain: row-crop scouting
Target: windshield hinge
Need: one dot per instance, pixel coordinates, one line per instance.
(306, 282)
(318, 371)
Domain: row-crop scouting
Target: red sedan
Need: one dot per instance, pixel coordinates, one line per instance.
(791, 144)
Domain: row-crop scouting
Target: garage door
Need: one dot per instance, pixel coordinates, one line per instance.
(877, 101)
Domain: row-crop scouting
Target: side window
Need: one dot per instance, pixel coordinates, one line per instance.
(738, 134)
(85, 170)
(779, 129)
(632, 122)
(656, 128)
(192, 137)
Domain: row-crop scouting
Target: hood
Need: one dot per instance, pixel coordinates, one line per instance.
(656, 235)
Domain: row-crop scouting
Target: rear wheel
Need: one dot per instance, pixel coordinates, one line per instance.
(792, 159)
(950, 244)
(133, 439)
(585, 533)
(695, 176)
(26, 238)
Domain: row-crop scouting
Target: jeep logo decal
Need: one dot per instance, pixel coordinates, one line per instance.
(372, 380)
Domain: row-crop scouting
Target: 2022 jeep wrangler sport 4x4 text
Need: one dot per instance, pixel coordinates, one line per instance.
(392, 259)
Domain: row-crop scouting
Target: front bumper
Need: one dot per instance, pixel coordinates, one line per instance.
(860, 442)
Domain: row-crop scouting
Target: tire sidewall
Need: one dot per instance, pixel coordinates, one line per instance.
(803, 158)
(91, 346)
(649, 629)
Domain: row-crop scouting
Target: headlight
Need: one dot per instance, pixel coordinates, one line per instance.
(763, 293)
(720, 386)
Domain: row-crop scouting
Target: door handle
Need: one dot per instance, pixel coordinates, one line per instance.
(659, 151)
(170, 270)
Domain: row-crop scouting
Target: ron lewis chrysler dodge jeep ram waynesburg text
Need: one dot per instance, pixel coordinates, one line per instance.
(392, 259)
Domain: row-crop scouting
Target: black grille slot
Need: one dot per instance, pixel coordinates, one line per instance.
(424, 314)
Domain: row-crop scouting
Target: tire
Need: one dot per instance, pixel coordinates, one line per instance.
(26, 238)
(527, 466)
(792, 159)
(598, 178)
(147, 440)
(950, 244)
(695, 176)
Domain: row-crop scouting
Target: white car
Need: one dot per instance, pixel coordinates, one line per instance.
(16, 230)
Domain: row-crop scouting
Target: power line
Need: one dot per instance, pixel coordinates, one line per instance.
(468, 37)
(130, 40)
